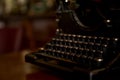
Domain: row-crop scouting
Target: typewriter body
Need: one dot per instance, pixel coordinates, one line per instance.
(87, 40)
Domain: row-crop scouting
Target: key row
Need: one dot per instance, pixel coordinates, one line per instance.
(77, 46)
(73, 57)
(68, 42)
(76, 50)
(96, 39)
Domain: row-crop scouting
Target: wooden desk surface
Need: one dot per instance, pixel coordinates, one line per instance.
(14, 67)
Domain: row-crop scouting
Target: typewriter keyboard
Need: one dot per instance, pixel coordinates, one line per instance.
(91, 52)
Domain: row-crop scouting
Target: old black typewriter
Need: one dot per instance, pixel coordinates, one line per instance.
(87, 40)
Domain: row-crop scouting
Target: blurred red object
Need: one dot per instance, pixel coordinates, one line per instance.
(10, 39)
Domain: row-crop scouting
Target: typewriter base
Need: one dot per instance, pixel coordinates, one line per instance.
(74, 71)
